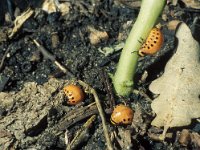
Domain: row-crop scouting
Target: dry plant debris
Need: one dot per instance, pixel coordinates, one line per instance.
(138, 122)
(82, 134)
(188, 137)
(19, 21)
(74, 116)
(132, 4)
(51, 57)
(174, 2)
(107, 51)
(124, 138)
(195, 138)
(192, 3)
(101, 113)
(179, 86)
(51, 6)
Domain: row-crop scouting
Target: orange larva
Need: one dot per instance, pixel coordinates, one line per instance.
(153, 43)
(74, 94)
(122, 115)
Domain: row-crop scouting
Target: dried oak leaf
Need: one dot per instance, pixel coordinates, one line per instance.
(179, 86)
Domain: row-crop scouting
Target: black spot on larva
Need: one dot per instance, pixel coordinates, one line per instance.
(72, 97)
(153, 32)
(124, 120)
(129, 119)
(154, 41)
(148, 47)
(73, 101)
(158, 33)
(151, 45)
(156, 37)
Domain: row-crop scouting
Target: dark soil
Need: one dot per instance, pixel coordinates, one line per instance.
(73, 49)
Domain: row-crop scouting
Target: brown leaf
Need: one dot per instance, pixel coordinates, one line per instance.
(179, 86)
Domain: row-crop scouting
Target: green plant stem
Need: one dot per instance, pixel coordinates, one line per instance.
(123, 78)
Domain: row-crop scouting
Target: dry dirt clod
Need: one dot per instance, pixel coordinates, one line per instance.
(50, 6)
(97, 36)
(55, 39)
(28, 109)
(184, 138)
(64, 8)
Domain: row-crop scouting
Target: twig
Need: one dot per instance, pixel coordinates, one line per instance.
(82, 134)
(19, 21)
(76, 115)
(143, 94)
(4, 58)
(52, 58)
(101, 113)
(133, 4)
(110, 90)
(108, 87)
